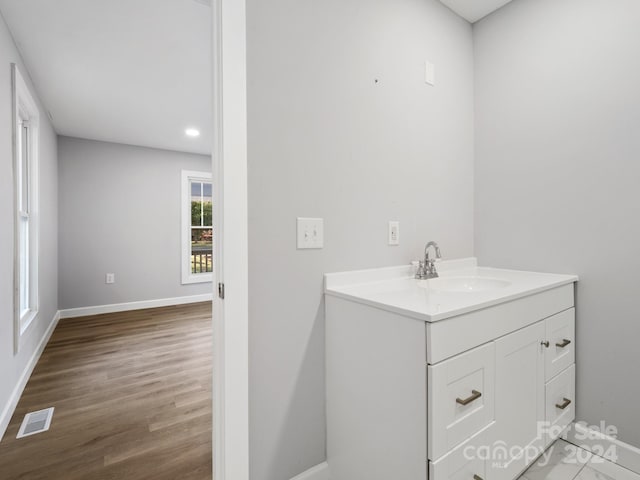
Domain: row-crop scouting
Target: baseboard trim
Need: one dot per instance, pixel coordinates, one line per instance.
(597, 442)
(319, 472)
(8, 410)
(123, 307)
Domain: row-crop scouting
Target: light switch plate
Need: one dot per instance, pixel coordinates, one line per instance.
(110, 278)
(394, 233)
(310, 233)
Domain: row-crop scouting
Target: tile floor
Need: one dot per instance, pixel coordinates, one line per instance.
(564, 461)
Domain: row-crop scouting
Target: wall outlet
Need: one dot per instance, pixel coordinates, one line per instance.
(310, 233)
(429, 73)
(110, 278)
(394, 233)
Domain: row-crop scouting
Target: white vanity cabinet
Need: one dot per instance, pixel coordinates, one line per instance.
(413, 399)
(514, 387)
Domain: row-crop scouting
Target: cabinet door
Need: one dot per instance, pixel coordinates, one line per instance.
(520, 397)
(561, 333)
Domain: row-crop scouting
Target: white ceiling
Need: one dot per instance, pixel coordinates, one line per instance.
(127, 71)
(474, 10)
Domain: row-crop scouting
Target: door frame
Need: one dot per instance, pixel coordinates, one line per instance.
(230, 315)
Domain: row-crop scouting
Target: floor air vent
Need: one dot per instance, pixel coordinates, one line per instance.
(35, 422)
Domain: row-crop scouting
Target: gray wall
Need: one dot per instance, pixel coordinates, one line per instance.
(557, 170)
(12, 367)
(120, 213)
(325, 140)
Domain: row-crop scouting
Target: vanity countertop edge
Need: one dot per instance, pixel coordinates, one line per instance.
(369, 287)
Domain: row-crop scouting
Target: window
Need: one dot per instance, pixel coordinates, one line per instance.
(26, 205)
(197, 227)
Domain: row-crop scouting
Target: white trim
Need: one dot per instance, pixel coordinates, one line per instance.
(24, 105)
(11, 405)
(123, 307)
(185, 227)
(231, 263)
(597, 442)
(319, 472)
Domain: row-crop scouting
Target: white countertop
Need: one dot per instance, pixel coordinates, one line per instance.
(395, 289)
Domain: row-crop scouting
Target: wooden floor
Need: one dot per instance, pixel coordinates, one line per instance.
(132, 398)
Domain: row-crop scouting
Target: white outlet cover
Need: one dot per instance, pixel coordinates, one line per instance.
(394, 233)
(310, 233)
(429, 73)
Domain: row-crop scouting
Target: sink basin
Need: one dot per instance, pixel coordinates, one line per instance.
(463, 284)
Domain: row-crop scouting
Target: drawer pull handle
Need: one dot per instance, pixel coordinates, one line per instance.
(564, 343)
(466, 401)
(477, 477)
(564, 404)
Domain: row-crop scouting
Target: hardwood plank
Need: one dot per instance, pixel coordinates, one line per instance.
(132, 397)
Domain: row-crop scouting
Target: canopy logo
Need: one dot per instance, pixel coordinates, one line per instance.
(499, 454)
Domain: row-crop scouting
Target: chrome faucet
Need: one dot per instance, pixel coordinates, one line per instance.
(427, 268)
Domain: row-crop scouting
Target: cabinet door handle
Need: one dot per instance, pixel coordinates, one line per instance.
(545, 344)
(466, 401)
(477, 477)
(564, 404)
(564, 343)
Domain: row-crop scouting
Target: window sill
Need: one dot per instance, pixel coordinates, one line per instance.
(27, 321)
(205, 278)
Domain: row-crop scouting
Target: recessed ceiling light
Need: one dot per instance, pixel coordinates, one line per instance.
(192, 132)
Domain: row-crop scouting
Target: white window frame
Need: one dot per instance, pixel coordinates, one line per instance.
(25, 113)
(187, 177)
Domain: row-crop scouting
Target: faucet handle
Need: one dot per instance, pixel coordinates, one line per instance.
(415, 265)
(421, 270)
(430, 266)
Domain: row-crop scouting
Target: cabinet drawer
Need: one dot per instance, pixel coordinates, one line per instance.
(469, 461)
(460, 394)
(560, 396)
(560, 333)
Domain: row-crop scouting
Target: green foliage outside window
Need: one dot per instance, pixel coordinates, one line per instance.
(201, 213)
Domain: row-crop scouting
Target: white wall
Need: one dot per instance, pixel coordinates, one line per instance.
(120, 213)
(557, 171)
(326, 140)
(12, 366)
